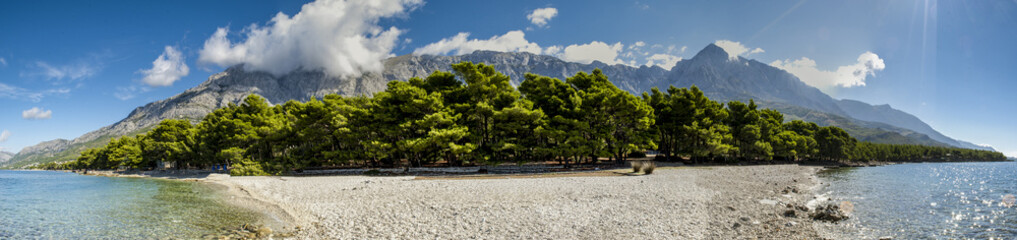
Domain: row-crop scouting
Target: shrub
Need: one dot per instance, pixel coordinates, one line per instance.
(246, 167)
(649, 166)
(241, 166)
(636, 165)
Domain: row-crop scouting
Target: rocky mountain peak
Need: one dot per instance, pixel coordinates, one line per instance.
(711, 53)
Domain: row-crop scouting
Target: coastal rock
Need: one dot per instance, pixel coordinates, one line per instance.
(829, 212)
(790, 213)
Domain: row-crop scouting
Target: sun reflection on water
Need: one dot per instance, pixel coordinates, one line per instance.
(941, 200)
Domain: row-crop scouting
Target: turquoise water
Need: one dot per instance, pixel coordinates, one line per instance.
(58, 205)
(927, 200)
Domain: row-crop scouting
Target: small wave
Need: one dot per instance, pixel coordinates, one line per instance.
(818, 200)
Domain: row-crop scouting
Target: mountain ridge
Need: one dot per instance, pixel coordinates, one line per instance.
(887, 114)
(722, 78)
(5, 155)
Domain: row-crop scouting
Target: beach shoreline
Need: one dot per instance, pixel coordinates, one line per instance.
(674, 202)
(701, 202)
(273, 215)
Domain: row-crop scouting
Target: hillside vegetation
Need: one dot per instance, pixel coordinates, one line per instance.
(474, 116)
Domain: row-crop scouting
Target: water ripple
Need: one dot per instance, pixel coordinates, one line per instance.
(934, 200)
(56, 205)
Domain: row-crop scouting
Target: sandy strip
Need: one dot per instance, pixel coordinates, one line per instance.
(673, 203)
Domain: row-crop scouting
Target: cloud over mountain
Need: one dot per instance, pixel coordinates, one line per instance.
(735, 49)
(515, 41)
(853, 75)
(166, 69)
(341, 37)
(593, 51)
(662, 60)
(512, 41)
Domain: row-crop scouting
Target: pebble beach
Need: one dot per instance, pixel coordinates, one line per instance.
(718, 202)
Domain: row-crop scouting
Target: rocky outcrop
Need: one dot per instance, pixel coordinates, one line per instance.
(832, 212)
(55, 145)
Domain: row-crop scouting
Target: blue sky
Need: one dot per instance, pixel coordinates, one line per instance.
(69, 67)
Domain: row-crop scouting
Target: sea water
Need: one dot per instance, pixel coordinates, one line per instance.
(60, 205)
(926, 200)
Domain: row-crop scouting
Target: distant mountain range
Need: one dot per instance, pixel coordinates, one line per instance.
(4, 156)
(720, 77)
(886, 114)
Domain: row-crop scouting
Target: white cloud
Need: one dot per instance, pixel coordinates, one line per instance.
(341, 37)
(540, 16)
(513, 41)
(642, 5)
(71, 71)
(735, 49)
(166, 69)
(553, 50)
(36, 113)
(845, 76)
(3, 61)
(663, 60)
(11, 92)
(126, 93)
(17, 93)
(637, 45)
(4, 135)
(593, 51)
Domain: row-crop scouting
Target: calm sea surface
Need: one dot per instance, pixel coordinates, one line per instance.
(927, 201)
(58, 205)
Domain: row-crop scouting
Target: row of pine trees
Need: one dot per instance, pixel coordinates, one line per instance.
(474, 116)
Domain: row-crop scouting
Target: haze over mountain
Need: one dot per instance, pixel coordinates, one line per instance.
(5, 155)
(886, 114)
(722, 78)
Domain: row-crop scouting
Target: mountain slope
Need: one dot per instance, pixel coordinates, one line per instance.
(886, 114)
(722, 78)
(5, 155)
